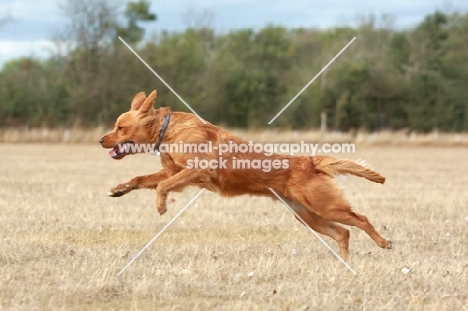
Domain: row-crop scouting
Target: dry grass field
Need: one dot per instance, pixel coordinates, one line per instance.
(62, 240)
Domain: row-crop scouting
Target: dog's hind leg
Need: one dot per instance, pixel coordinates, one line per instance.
(341, 212)
(323, 197)
(325, 227)
(140, 182)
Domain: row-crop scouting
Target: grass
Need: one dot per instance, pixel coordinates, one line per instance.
(62, 240)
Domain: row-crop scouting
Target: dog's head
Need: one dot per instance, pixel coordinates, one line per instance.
(139, 125)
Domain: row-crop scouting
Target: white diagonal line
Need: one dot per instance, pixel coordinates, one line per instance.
(162, 80)
(313, 79)
(160, 232)
(315, 233)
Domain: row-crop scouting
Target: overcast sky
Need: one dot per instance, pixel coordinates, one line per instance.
(33, 22)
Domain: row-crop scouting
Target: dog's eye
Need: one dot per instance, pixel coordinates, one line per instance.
(119, 128)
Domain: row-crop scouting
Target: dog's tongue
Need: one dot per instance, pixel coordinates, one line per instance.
(113, 151)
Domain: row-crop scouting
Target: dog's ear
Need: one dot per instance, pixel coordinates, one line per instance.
(138, 101)
(148, 103)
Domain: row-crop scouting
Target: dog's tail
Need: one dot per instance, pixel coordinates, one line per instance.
(332, 166)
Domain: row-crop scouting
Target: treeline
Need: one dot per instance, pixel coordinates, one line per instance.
(387, 79)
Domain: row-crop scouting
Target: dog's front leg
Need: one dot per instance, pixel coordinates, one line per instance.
(140, 182)
(178, 182)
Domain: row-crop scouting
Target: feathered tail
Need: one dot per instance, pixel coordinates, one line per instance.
(332, 166)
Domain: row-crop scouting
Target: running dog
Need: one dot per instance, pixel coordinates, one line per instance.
(306, 183)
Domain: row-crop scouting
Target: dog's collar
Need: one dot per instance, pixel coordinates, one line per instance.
(162, 132)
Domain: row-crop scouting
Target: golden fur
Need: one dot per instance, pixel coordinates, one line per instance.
(307, 184)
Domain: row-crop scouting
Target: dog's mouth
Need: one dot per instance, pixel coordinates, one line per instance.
(121, 150)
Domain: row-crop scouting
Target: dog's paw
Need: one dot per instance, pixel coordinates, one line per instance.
(161, 203)
(389, 245)
(162, 210)
(115, 194)
(120, 190)
(162, 207)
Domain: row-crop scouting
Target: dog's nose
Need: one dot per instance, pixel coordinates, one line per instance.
(100, 141)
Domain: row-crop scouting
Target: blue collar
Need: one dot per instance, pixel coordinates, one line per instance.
(162, 131)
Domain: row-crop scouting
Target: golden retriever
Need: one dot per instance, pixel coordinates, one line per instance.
(306, 183)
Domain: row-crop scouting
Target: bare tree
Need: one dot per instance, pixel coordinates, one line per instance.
(92, 23)
(198, 18)
(81, 47)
